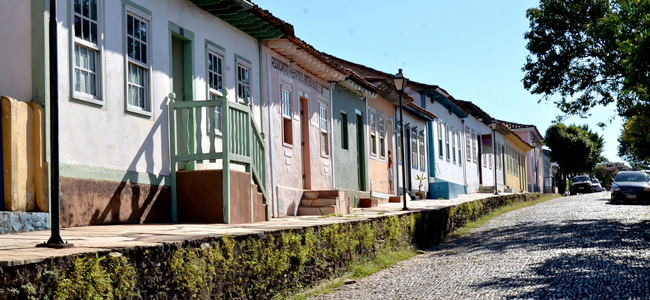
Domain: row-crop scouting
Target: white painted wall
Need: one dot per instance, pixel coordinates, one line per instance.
(16, 50)
(421, 124)
(488, 171)
(108, 137)
(472, 166)
(447, 169)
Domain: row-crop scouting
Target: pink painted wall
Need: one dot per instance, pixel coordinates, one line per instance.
(287, 159)
(378, 165)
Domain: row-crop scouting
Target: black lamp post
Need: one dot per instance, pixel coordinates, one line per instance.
(536, 185)
(55, 240)
(400, 83)
(493, 125)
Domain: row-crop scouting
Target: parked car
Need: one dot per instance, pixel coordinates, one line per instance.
(580, 184)
(595, 185)
(631, 185)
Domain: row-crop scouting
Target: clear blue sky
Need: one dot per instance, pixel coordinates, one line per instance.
(474, 49)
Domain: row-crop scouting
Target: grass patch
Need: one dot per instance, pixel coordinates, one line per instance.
(383, 260)
(470, 226)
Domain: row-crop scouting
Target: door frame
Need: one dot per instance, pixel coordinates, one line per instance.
(361, 151)
(304, 142)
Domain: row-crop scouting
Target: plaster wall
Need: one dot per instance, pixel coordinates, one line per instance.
(472, 166)
(516, 178)
(421, 124)
(16, 49)
(287, 159)
(487, 169)
(378, 163)
(447, 168)
(346, 166)
(534, 161)
(103, 133)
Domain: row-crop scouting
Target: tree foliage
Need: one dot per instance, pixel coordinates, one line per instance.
(634, 142)
(590, 52)
(576, 149)
(605, 172)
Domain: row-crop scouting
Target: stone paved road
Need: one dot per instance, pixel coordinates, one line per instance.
(577, 247)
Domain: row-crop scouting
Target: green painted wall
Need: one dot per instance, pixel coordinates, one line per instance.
(346, 173)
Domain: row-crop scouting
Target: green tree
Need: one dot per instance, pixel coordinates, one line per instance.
(634, 142)
(588, 53)
(576, 149)
(605, 172)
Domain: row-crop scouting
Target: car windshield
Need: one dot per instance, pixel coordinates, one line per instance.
(633, 177)
(595, 181)
(580, 179)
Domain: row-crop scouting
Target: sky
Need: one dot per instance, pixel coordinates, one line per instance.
(474, 49)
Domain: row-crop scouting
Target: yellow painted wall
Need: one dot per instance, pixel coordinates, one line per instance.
(25, 175)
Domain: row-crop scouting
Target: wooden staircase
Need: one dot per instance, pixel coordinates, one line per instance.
(322, 203)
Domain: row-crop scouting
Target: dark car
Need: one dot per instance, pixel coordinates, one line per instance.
(581, 184)
(631, 185)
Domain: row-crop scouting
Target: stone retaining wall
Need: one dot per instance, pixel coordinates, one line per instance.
(256, 266)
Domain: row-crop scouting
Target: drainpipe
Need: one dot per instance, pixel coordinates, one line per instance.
(55, 240)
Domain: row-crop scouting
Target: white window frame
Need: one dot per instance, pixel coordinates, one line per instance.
(323, 126)
(147, 88)
(381, 130)
(215, 93)
(474, 147)
(447, 137)
(440, 143)
(286, 110)
(422, 151)
(372, 128)
(468, 144)
(414, 148)
(453, 145)
(243, 64)
(460, 147)
(97, 48)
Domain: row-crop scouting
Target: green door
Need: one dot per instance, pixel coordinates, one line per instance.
(361, 166)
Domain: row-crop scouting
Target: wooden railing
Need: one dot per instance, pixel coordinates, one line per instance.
(193, 123)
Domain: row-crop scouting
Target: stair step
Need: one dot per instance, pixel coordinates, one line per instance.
(318, 202)
(316, 210)
(368, 202)
(310, 194)
(395, 199)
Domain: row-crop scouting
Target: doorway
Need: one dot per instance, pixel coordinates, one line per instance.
(304, 143)
(180, 76)
(361, 166)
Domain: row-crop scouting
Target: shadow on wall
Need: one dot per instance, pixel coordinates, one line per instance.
(144, 203)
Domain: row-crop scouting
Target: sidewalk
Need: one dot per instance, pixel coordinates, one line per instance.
(20, 248)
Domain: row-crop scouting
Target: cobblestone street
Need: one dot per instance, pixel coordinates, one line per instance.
(577, 247)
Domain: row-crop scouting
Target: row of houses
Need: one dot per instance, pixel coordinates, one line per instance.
(215, 111)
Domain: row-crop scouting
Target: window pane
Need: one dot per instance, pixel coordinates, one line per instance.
(144, 53)
(86, 30)
(77, 27)
(136, 27)
(129, 25)
(77, 86)
(86, 8)
(136, 50)
(143, 31)
(93, 84)
(93, 33)
(91, 60)
(77, 6)
(93, 10)
(129, 50)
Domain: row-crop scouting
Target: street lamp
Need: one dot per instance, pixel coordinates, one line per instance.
(493, 125)
(536, 186)
(400, 83)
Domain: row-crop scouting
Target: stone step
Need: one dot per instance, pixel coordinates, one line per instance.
(317, 210)
(368, 202)
(318, 201)
(395, 199)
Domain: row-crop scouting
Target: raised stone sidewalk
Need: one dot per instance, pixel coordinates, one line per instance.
(20, 248)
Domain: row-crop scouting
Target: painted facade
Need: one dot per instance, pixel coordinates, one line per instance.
(381, 142)
(350, 143)
(300, 123)
(325, 123)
